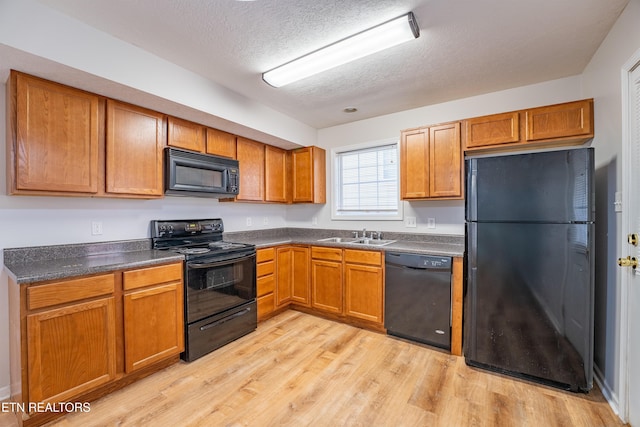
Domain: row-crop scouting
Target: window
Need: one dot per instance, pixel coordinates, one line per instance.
(366, 182)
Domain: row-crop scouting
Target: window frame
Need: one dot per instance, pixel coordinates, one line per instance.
(335, 183)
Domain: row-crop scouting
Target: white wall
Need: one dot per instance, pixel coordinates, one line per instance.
(602, 81)
(449, 215)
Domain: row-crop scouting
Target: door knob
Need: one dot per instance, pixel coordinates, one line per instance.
(633, 239)
(628, 262)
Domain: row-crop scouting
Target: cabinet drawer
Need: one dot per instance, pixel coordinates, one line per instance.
(150, 276)
(267, 254)
(333, 254)
(265, 285)
(41, 296)
(363, 257)
(265, 268)
(266, 305)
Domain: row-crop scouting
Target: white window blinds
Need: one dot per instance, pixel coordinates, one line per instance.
(367, 181)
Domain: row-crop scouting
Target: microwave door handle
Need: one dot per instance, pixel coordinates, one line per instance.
(218, 263)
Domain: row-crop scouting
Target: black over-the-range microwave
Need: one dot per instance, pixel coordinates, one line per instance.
(201, 175)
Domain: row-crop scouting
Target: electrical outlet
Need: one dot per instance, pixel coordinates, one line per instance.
(265, 220)
(314, 220)
(96, 228)
(410, 221)
(431, 223)
(248, 221)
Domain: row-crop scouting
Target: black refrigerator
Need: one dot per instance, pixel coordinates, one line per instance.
(528, 303)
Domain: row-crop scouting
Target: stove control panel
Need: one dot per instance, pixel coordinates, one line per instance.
(182, 228)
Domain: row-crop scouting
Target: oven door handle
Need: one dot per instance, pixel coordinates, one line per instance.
(226, 319)
(225, 261)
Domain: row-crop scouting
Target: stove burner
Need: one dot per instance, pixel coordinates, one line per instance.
(193, 251)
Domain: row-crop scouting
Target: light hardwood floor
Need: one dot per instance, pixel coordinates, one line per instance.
(300, 370)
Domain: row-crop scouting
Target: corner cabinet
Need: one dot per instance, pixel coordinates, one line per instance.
(135, 139)
(309, 175)
(431, 164)
(81, 338)
(293, 276)
(54, 143)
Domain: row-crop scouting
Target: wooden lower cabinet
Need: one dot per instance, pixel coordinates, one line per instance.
(293, 276)
(80, 338)
(364, 285)
(326, 279)
(71, 349)
(153, 315)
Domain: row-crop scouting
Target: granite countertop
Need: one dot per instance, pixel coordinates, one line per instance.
(36, 264)
(424, 244)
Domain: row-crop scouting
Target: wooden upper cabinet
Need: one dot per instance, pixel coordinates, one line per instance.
(135, 139)
(492, 130)
(309, 175)
(275, 177)
(186, 135)
(560, 121)
(250, 155)
(570, 123)
(431, 163)
(445, 161)
(221, 143)
(54, 145)
(414, 161)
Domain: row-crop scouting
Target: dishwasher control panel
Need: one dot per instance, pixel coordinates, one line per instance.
(419, 261)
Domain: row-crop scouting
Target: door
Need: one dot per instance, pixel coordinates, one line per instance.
(631, 225)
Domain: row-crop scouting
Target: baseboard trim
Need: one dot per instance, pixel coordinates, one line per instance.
(5, 393)
(607, 392)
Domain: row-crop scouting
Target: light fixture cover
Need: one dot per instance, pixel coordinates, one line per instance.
(375, 39)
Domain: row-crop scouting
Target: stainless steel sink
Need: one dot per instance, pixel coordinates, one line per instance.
(373, 242)
(338, 240)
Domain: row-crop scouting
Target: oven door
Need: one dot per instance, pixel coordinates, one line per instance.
(219, 284)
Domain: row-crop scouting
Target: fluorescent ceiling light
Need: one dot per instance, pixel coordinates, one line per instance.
(380, 37)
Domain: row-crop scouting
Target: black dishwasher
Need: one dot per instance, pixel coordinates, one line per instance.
(418, 298)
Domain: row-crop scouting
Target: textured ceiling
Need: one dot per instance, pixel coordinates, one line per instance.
(466, 47)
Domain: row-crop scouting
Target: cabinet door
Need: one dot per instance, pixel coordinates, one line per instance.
(153, 325)
(445, 161)
(300, 282)
(284, 268)
(309, 175)
(326, 285)
(56, 142)
(560, 121)
(364, 292)
(275, 174)
(250, 155)
(71, 350)
(221, 143)
(414, 164)
(185, 134)
(135, 139)
(491, 130)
